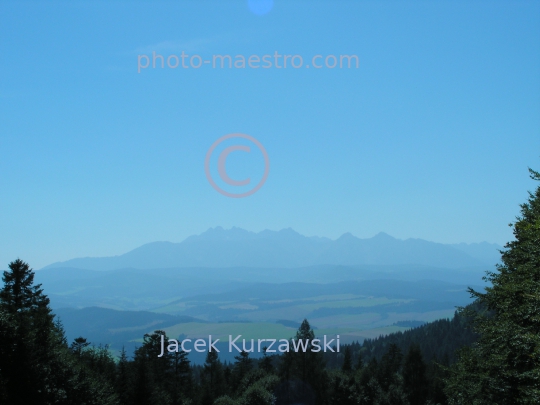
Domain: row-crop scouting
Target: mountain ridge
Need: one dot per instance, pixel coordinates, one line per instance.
(218, 247)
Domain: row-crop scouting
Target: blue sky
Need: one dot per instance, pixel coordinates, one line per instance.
(430, 137)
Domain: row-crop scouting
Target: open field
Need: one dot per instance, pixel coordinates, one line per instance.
(194, 330)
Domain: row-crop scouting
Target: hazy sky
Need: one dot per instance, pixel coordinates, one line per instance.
(430, 137)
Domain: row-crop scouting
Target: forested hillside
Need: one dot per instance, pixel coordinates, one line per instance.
(438, 342)
(39, 366)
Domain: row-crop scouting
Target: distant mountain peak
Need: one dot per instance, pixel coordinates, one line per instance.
(347, 236)
(237, 234)
(288, 230)
(384, 235)
(220, 233)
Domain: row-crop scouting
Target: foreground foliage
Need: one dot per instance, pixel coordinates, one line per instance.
(36, 364)
(503, 367)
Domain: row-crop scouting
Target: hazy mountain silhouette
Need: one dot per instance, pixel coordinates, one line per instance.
(218, 248)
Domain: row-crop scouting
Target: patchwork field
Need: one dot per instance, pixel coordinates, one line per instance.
(222, 331)
(355, 310)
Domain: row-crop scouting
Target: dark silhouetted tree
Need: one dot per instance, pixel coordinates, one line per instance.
(212, 383)
(415, 383)
(36, 366)
(266, 362)
(124, 379)
(503, 367)
(242, 366)
(347, 360)
(390, 365)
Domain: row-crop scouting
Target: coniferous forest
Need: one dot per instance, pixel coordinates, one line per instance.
(488, 353)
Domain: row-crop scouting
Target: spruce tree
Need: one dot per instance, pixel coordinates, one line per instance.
(36, 365)
(28, 312)
(415, 383)
(310, 366)
(503, 367)
(266, 362)
(213, 378)
(78, 345)
(123, 379)
(347, 360)
(390, 366)
(359, 362)
(7, 332)
(241, 368)
(24, 364)
(155, 374)
(182, 382)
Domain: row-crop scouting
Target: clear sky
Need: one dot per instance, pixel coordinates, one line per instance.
(430, 137)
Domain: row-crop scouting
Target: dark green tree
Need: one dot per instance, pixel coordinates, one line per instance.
(390, 365)
(437, 372)
(7, 331)
(343, 389)
(212, 383)
(154, 372)
(36, 365)
(415, 383)
(257, 394)
(23, 366)
(266, 362)
(503, 367)
(183, 382)
(241, 368)
(347, 360)
(285, 372)
(302, 372)
(78, 345)
(305, 359)
(124, 379)
(359, 362)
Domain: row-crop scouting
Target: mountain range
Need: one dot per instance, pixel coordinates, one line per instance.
(235, 281)
(236, 247)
